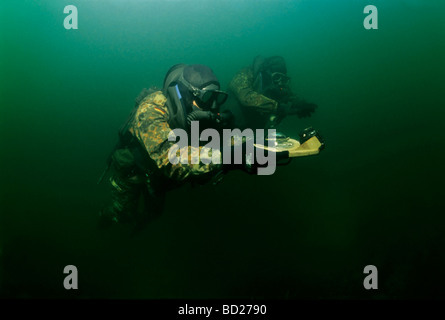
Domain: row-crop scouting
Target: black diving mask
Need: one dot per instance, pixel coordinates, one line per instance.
(208, 97)
(280, 79)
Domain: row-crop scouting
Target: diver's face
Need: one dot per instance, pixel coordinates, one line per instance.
(209, 98)
(276, 85)
(280, 79)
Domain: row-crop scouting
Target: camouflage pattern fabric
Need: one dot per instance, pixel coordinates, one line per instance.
(242, 87)
(126, 191)
(150, 127)
(128, 185)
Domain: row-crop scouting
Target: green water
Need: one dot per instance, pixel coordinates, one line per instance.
(374, 196)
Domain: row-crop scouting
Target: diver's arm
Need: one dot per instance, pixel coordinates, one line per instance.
(152, 130)
(299, 107)
(242, 86)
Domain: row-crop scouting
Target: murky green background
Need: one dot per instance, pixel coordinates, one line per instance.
(374, 196)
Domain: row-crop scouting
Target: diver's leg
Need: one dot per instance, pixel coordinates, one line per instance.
(154, 201)
(125, 193)
(153, 197)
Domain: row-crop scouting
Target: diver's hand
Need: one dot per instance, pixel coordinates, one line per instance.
(284, 109)
(304, 109)
(224, 118)
(221, 119)
(200, 115)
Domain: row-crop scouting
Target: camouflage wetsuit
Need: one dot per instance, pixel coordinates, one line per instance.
(259, 110)
(148, 171)
(242, 86)
(255, 106)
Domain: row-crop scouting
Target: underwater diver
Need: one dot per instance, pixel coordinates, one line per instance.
(262, 95)
(139, 163)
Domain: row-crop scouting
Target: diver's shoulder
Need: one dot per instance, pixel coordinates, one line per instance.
(246, 71)
(153, 105)
(243, 77)
(156, 98)
(244, 74)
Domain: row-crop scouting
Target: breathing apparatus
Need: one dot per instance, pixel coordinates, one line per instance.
(270, 77)
(193, 94)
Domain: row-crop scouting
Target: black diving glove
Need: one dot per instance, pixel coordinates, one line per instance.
(300, 108)
(220, 119)
(284, 109)
(224, 118)
(303, 109)
(200, 115)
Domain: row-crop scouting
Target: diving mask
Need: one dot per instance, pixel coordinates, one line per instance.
(280, 79)
(208, 96)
